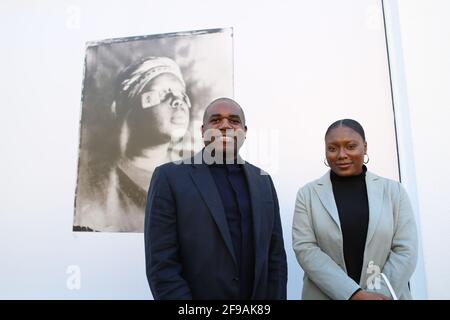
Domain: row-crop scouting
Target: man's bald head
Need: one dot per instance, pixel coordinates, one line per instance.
(220, 102)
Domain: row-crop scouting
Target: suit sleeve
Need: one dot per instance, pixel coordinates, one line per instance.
(403, 256)
(277, 256)
(320, 268)
(163, 265)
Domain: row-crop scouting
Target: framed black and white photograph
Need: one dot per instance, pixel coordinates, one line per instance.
(142, 104)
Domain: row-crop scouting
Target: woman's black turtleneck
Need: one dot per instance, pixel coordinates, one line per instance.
(350, 194)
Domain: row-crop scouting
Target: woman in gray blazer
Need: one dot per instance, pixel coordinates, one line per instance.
(351, 225)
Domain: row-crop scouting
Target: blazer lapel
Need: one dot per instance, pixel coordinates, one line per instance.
(255, 200)
(375, 196)
(324, 190)
(208, 190)
(256, 197)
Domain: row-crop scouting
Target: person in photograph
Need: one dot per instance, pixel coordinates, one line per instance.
(350, 225)
(151, 112)
(213, 228)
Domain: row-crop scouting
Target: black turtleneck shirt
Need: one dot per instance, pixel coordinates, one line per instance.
(233, 188)
(350, 194)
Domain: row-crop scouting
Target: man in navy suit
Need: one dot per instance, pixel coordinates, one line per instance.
(212, 223)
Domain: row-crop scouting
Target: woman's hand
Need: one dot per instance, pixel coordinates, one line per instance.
(364, 295)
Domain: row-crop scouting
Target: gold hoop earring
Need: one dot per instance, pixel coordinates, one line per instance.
(366, 162)
(325, 162)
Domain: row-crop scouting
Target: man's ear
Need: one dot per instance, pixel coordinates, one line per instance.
(245, 128)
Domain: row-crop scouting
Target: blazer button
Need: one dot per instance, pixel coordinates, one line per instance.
(236, 279)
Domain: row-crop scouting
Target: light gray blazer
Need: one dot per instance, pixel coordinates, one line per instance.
(391, 242)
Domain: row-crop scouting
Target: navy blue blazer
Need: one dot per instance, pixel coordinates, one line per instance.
(188, 247)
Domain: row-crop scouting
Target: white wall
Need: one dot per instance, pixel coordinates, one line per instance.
(299, 65)
(425, 34)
